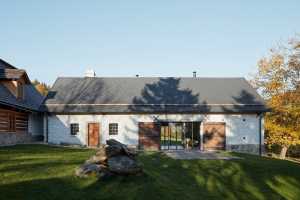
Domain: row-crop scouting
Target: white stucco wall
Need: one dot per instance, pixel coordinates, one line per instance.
(240, 129)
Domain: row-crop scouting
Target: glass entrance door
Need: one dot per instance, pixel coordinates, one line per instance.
(172, 136)
(192, 135)
(180, 135)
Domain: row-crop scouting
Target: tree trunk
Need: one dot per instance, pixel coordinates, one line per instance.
(283, 152)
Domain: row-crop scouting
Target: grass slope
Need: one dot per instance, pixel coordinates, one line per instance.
(43, 172)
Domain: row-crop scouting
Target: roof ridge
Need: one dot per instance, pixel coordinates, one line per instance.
(141, 77)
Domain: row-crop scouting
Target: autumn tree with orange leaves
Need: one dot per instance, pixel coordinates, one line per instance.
(278, 80)
(43, 88)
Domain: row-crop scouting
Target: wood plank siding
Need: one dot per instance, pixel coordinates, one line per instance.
(214, 137)
(12, 121)
(149, 136)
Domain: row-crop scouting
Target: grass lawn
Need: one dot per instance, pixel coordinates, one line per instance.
(43, 172)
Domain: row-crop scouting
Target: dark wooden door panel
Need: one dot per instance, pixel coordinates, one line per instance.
(149, 136)
(93, 134)
(214, 137)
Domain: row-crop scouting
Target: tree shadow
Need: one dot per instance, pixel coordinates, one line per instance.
(246, 102)
(158, 101)
(167, 96)
(165, 178)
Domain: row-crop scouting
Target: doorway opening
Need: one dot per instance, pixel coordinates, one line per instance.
(93, 134)
(180, 136)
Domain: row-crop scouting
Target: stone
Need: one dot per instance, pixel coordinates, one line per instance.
(130, 152)
(87, 169)
(114, 158)
(101, 152)
(115, 143)
(123, 165)
(112, 142)
(104, 174)
(114, 150)
(98, 159)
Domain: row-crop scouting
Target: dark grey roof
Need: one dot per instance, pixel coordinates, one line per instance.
(162, 95)
(6, 65)
(31, 102)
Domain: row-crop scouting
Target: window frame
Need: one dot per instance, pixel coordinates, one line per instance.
(12, 122)
(113, 129)
(74, 130)
(20, 90)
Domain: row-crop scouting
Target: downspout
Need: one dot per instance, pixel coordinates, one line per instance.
(47, 127)
(260, 133)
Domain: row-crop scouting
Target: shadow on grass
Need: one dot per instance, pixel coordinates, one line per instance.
(38, 149)
(164, 178)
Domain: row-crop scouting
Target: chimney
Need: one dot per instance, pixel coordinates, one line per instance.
(194, 74)
(90, 73)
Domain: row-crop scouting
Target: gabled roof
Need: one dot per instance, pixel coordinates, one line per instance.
(32, 98)
(151, 95)
(31, 102)
(6, 65)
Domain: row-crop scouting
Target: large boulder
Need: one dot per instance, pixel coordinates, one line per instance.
(99, 158)
(114, 150)
(130, 152)
(111, 159)
(112, 142)
(88, 169)
(116, 144)
(123, 165)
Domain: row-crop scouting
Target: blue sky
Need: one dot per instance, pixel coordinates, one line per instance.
(150, 38)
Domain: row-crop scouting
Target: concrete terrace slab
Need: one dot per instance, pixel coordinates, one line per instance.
(198, 155)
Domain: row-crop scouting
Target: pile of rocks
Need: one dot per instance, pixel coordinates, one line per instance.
(114, 158)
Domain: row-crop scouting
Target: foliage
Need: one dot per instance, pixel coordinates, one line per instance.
(44, 172)
(278, 80)
(43, 88)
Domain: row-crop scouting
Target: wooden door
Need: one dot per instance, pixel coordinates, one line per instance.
(149, 136)
(214, 137)
(93, 134)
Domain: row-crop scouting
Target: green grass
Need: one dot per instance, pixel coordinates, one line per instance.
(43, 172)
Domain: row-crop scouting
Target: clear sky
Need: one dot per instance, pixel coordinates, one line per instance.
(150, 38)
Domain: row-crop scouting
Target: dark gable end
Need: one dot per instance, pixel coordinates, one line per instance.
(14, 74)
(6, 65)
(153, 95)
(31, 100)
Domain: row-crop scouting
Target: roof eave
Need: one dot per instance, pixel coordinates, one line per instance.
(19, 107)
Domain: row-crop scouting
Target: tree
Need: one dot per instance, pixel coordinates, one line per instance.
(278, 79)
(43, 88)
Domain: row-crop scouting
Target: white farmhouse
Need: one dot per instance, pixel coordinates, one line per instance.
(166, 113)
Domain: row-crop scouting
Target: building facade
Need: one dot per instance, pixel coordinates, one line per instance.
(156, 113)
(20, 118)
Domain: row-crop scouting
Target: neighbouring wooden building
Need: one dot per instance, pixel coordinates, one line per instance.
(20, 118)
